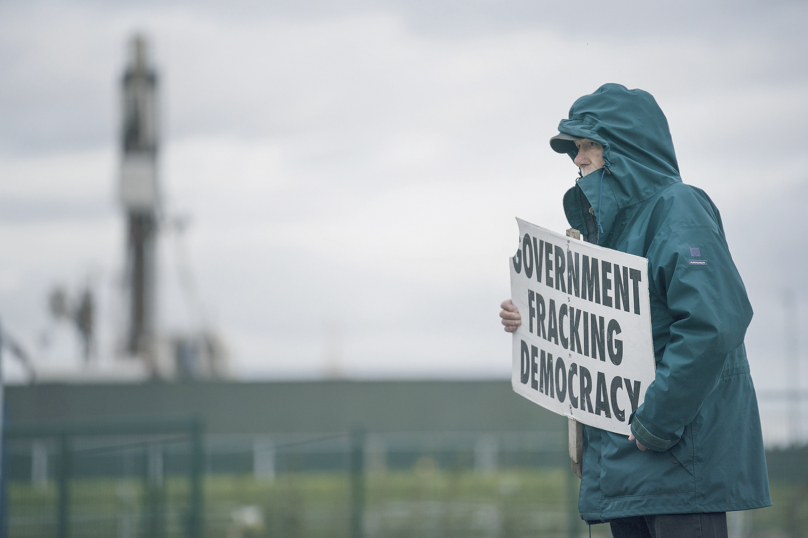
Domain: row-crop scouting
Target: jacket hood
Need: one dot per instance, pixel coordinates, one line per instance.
(637, 151)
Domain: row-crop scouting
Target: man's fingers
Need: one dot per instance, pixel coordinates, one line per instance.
(510, 316)
(639, 444)
(509, 311)
(511, 320)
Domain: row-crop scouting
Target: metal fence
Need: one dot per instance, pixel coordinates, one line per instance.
(164, 478)
(147, 478)
(123, 478)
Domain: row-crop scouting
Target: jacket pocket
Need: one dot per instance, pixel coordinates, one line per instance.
(626, 471)
(684, 451)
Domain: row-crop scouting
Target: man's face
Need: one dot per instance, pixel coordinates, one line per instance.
(590, 156)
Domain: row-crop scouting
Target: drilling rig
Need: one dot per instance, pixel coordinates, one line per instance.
(140, 197)
(200, 353)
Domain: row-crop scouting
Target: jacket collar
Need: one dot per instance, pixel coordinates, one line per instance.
(637, 150)
(598, 188)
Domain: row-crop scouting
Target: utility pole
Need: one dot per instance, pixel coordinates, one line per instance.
(3, 524)
(140, 198)
(793, 367)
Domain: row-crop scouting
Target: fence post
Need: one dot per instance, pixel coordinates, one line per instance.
(357, 465)
(573, 517)
(195, 522)
(64, 485)
(155, 492)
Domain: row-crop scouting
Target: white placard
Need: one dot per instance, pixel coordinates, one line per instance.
(584, 348)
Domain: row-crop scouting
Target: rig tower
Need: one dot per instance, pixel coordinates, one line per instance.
(140, 197)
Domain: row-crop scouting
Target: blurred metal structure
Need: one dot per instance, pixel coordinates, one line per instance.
(80, 313)
(140, 198)
(199, 353)
(19, 353)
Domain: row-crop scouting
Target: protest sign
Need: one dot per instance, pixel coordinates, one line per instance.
(584, 348)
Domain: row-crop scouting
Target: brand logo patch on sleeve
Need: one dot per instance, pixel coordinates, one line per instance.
(695, 252)
(698, 262)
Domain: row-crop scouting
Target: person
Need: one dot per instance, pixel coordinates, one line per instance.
(696, 448)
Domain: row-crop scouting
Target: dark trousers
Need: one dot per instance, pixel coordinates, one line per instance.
(671, 526)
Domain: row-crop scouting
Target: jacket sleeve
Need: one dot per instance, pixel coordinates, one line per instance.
(708, 312)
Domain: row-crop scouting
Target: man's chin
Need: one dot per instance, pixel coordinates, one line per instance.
(585, 173)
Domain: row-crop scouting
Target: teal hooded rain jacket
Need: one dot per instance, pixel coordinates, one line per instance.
(700, 418)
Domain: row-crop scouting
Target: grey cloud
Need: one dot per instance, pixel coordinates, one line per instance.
(336, 110)
(45, 209)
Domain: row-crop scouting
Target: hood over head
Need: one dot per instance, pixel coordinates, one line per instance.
(637, 150)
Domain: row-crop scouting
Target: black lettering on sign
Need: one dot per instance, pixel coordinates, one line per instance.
(562, 311)
(534, 384)
(517, 261)
(525, 363)
(546, 374)
(573, 272)
(606, 270)
(633, 393)
(561, 384)
(598, 338)
(540, 312)
(552, 324)
(575, 336)
(636, 277)
(548, 265)
(617, 383)
(570, 377)
(586, 334)
(531, 310)
(590, 283)
(615, 346)
(586, 389)
(559, 269)
(537, 253)
(602, 397)
(621, 287)
(527, 249)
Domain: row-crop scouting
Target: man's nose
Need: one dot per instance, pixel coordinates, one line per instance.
(580, 160)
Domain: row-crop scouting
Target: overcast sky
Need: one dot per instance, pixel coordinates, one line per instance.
(351, 174)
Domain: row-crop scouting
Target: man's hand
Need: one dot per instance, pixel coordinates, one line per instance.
(510, 316)
(639, 444)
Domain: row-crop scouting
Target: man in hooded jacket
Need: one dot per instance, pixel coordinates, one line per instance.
(696, 449)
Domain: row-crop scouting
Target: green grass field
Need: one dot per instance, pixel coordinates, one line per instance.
(425, 502)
